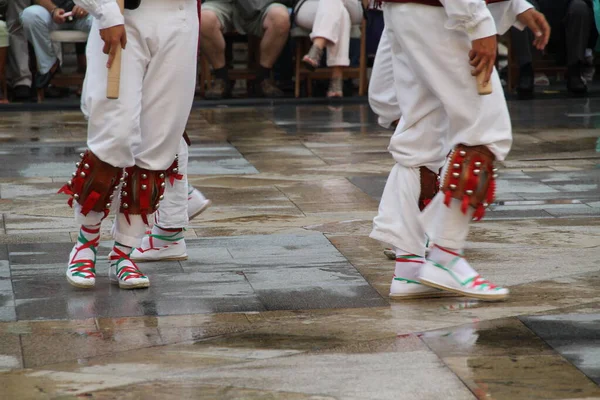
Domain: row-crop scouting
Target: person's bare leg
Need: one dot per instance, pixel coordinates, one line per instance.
(276, 26)
(337, 72)
(212, 44)
(320, 42)
(336, 84)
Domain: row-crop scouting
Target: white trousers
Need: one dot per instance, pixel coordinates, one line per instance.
(331, 20)
(382, 92)
(440, 108)
(144, 126)
(173, 210)
(158, 74)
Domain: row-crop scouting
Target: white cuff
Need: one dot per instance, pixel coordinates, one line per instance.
(485, 28)
(522, 7)
(384, 123)
(110, 15)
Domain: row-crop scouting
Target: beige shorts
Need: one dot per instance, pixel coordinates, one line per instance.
(3, 34)
(231, 21)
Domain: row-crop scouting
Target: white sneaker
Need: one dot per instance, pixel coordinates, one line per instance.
(125, 273)
(197, 203)
(405, 289)
(147, 252)
(440, 277)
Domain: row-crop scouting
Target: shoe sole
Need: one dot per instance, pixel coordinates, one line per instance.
(138, 286)
(79, 285)
(309, 66)
(497, 297)
(126, 287)
(143, 260)
(423, 295)
(201, 210)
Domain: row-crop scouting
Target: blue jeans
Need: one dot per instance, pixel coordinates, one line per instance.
(38, 24)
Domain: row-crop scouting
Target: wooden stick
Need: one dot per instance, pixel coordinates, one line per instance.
(113, 82)
(481, 89)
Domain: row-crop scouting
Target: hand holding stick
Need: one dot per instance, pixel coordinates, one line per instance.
(483, 58)
(114, 39)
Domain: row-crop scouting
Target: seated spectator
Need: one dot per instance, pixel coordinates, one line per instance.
(39, 21)
(330, 22)
(3, 50)
(271, 23)
(573, 28)
(18, 59)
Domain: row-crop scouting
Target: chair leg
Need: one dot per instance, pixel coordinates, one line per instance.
(362, 85)
(511, 69)
(205, 71)
(298, 64)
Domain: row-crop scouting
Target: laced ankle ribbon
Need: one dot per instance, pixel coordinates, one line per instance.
(85, 268)
(476, 282)
(167, 238)
(408, 259)
(125, 272)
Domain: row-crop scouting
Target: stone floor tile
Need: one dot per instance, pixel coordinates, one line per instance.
(523, 377)
(347, 376)
(4, 267)
(170, 390)
(8, 313)
(10, 352)
(21, 237)
(46, 349)
(48, 327)
(576, 337)
(43, 384)
(39, 253)
(105, 300)
(499, 337)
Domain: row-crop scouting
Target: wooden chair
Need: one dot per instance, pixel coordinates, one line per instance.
(541, 63)
(60, 79)
(248, 73)
(303, 44)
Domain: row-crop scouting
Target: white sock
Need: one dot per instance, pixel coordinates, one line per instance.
(408, 266)
(89, 232)
(444, 256)
(87, 241)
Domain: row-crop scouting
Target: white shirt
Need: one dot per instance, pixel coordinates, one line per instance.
(107, 12)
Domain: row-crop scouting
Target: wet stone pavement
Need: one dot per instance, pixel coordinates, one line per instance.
(284, 296)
